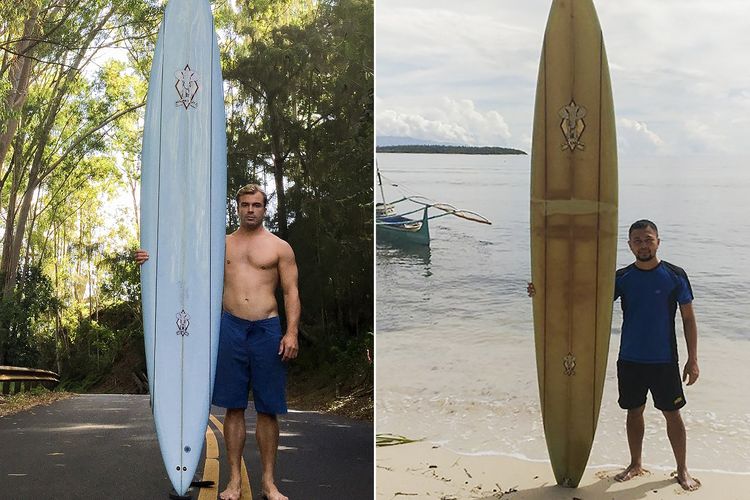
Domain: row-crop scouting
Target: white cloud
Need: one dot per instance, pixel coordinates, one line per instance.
(634, 136)
(679, 81)
(454, 121)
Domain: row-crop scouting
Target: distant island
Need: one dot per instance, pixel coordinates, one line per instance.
(451, 150)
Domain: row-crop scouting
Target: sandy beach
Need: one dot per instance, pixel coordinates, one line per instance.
(475, 408)
(455, 354)
(425, 470)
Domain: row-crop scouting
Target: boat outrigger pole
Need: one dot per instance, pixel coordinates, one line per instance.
(447, 209)
(380, 183)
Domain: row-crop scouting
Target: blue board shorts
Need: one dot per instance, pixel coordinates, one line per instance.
(249, 354)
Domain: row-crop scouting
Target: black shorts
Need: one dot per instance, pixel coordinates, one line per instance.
(634, 380)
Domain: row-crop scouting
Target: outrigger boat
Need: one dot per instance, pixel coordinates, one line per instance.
(399, 227)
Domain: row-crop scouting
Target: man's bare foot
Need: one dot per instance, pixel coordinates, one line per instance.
(631, 472)
(270, 492)
(687, 482)
(233, 491)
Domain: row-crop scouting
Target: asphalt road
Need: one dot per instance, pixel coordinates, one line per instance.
(104, 446)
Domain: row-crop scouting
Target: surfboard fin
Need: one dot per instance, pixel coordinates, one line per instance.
(194, 484)
(174, 496)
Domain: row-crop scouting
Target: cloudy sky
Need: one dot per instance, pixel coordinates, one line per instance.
(465, 72)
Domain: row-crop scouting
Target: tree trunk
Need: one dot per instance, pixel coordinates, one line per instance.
(281, 214)
(10, 215)
(19, 73)
(28, 257)
(278, 164)
(10, 262)
(61, 344)
(133, 184)
(8, 269)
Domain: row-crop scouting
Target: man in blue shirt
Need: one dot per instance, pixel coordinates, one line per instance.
(650, 291)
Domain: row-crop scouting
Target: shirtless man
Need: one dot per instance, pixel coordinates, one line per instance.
(252, 350)
(650, 292)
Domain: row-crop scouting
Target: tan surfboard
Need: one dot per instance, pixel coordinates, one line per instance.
(573, 231)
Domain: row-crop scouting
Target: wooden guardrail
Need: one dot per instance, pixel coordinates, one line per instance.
(15, 379)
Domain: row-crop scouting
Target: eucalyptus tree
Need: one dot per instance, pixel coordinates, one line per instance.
(55, 116)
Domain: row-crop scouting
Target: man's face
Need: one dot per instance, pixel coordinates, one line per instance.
(643, 243)
(251, 210)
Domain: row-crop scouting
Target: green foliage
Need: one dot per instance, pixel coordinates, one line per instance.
(123, 284)
(5, 88)
(38, 391)
(98, 340)
(300, 113)
(25, 314)
(93, 350)
(308, 88)
(13, 11)
(67, 154)
(339, 362)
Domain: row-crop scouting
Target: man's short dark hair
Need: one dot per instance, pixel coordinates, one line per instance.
(251, 189)
(643, 224)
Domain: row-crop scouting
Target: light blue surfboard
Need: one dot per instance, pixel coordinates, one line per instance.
(183, 192)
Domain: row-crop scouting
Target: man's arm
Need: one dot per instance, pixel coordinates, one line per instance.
(689, 325)
(288, 278)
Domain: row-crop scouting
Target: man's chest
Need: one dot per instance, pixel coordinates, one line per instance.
(649, 290)
(248, 258)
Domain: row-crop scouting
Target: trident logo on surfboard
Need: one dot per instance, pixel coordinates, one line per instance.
(183, 321)
(572, 125)
(187, 87)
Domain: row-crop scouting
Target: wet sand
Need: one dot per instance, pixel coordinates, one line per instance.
(477, 394)
(475, 406)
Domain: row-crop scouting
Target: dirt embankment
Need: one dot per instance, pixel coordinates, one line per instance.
(128, 376)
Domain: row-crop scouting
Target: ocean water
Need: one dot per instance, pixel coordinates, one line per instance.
(454, 342)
